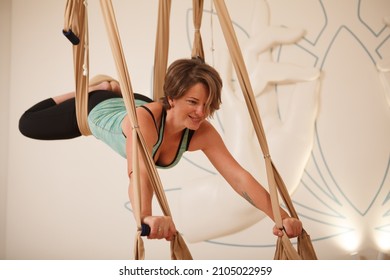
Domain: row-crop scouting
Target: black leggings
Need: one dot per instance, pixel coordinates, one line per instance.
(49, 121)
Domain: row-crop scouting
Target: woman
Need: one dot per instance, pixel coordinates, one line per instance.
(171, 126)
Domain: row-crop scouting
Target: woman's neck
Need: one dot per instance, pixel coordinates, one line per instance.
(172, 125)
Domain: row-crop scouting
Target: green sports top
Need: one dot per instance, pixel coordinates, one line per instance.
(105, 122)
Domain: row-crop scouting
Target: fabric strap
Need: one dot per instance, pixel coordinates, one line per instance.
(284, 249)
(161, 48)
(197, 47)
(179, 250)
(76, 21)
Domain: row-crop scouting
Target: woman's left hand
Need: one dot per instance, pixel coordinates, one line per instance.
(292, 227)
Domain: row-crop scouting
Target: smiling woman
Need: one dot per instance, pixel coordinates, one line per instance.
(182, 75)
(170, 126)
(192, 106)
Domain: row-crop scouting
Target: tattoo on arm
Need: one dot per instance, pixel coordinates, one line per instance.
(248, 198)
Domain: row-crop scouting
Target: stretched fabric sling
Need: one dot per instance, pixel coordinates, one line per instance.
(162, 43)
(284, 248)
(197, 48)
(76, 30)
(305, 247)
(161, 48)
(179, 250)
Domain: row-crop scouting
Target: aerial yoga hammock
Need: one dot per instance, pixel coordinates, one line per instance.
(76, 29)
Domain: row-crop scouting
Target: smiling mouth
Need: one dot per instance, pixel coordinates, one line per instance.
(195, 119)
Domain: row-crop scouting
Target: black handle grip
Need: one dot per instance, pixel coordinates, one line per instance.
(71, 37)
(145, 230)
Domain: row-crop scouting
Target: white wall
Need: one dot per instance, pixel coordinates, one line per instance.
(5, 25)
(68, 199)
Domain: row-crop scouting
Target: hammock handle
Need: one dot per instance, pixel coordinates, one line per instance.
(145, 230)
(71, 37)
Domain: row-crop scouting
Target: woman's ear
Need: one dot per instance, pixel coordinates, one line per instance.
(171, 103)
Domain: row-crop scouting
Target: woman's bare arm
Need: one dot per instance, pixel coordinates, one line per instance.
(240, 179)
(160, 226)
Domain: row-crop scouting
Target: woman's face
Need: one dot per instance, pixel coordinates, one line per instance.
(190, 108)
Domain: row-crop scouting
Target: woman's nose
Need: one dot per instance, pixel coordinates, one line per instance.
(200, 111)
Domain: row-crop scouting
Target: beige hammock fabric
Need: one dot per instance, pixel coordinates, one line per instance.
(179, 250)
(76, 22)
(197, 48)
(162, 43)
(161, 48)
(284, 248)
(305, 247)
(78, 25)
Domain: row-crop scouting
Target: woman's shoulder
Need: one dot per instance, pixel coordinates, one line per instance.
(155, 107)
(148, 115)
(152, 109)
(206, 135)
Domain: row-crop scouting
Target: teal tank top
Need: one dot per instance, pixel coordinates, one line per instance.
(105, 123)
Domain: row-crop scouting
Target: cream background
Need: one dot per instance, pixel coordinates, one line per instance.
(68, 199)
(5, 23)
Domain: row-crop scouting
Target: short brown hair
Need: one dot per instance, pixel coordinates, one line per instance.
(182, 74)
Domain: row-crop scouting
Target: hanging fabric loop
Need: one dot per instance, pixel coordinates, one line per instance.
(197, 48)
(285, 249)
(179, 249)
(76, 23)
(161, 48)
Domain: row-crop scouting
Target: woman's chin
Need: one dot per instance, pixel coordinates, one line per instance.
(194, 125)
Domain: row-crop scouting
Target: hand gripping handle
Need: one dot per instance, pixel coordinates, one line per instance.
(145, 230)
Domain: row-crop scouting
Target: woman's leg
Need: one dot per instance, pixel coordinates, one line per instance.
(104, 85)
(55, 118)
(48, 120)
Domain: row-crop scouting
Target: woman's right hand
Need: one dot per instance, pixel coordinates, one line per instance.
(160, 227)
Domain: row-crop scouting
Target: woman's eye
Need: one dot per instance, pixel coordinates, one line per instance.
(192, 102)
